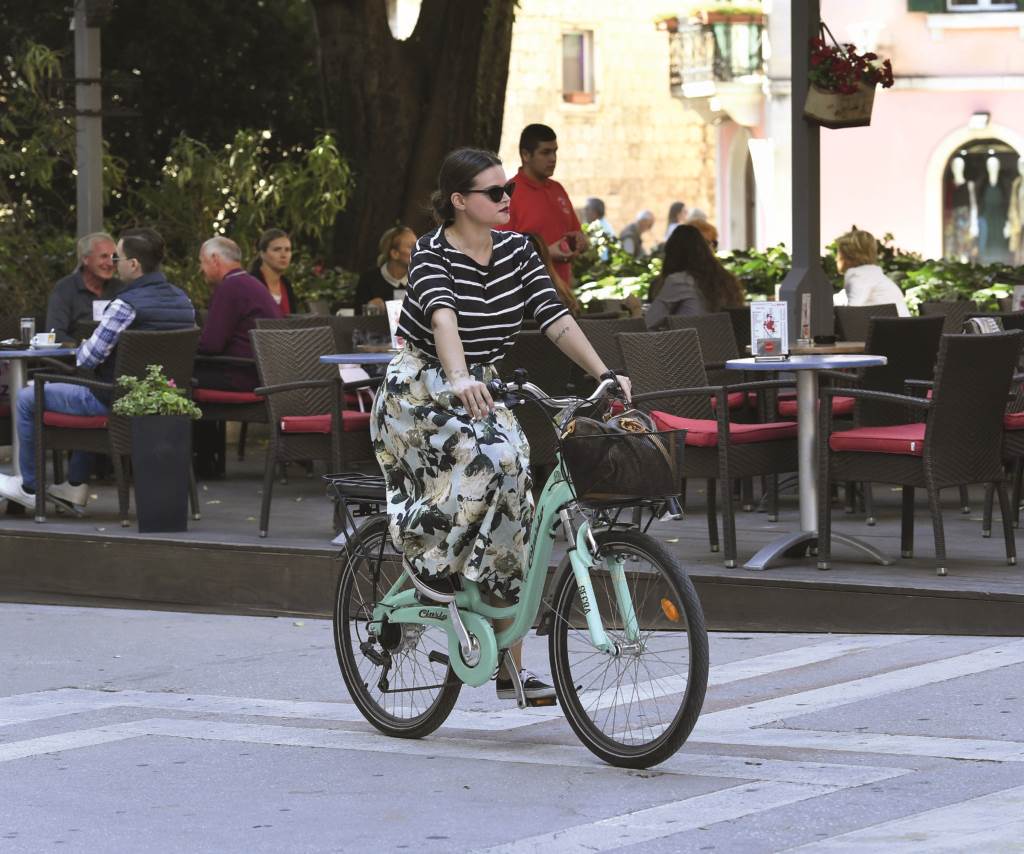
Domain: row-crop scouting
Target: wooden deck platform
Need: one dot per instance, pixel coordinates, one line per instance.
(221, 564)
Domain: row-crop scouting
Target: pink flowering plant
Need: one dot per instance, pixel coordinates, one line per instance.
(153, 394)
(839, 68)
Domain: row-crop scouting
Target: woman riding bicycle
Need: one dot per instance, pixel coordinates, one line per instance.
(455, 467)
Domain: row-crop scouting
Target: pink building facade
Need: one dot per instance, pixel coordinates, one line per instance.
(943, 159)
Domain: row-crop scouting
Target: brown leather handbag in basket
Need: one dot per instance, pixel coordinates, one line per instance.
(622, 459)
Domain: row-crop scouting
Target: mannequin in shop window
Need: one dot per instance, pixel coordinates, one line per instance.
(1015, 216)
(992, 216)
(963, 240)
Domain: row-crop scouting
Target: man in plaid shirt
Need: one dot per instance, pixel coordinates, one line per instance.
(147, 301)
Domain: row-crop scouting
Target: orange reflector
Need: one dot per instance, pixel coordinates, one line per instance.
(670, 611)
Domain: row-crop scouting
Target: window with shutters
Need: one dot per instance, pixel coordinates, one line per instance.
(578, 67)
(980, 6)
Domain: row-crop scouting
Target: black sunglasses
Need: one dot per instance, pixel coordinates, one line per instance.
(496, 193)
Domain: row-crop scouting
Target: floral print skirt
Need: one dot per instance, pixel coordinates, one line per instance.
(459, 491)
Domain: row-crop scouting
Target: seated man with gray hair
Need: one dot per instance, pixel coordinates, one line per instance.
(238, 300)
(631, 237)
(77, 301)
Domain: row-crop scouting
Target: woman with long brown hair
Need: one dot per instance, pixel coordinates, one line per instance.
(693, 280)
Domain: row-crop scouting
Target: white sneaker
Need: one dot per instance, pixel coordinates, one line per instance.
(70, 497)
(12, 489)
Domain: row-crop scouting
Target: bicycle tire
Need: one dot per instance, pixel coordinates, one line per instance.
(585, 678)
(394, 711)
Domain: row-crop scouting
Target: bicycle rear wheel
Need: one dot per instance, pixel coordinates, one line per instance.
(397, 673)
(636, 708)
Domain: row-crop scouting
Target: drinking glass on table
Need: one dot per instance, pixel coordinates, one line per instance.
(28, 329)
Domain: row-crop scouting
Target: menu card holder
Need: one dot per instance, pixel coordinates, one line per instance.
(769, 333)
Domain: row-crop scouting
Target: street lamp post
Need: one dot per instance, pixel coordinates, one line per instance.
(806, 275)
(88, 118)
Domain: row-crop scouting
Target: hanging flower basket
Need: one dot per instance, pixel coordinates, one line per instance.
(842, 82)
(838, 109)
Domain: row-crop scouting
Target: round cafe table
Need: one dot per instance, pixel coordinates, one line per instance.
(806, 369)
(358, 358)
(16, 381)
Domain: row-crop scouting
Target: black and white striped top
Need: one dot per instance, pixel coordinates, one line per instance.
(489, 301)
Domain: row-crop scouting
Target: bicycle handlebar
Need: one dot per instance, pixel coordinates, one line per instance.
(504, 395)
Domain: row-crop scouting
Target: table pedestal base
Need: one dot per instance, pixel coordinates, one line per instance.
(772, 554)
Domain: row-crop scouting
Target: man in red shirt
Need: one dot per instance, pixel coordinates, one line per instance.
(540, 205)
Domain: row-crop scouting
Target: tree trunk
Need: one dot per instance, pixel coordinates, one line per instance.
(399, 106)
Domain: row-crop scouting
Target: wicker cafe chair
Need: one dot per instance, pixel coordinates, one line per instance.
(1013, 456)
(955, 314)
(852, 320)
(293, 321)
(740, 319)
(669, 381)
(245, 407)
(959, 443)
(9, 328)
(601, 335)
(911, 347)
(111, 434)
(223, 405)
(375, 326)
(718, 344)
(549, 368)
(308, 416)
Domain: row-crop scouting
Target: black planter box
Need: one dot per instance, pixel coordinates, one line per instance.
(161, 456)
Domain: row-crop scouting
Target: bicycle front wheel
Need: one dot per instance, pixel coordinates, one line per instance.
(397, 673)
(636, 707)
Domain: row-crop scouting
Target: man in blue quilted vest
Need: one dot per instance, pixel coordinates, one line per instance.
(146, 301)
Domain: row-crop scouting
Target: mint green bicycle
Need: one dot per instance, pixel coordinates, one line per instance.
(627, 644)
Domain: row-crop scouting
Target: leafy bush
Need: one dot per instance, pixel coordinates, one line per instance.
(606, 271)
(236, 190)
(154, 394)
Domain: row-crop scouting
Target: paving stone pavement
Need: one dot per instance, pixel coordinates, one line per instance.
(142, 731)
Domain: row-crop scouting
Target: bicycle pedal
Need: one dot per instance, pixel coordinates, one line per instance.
(541, 701)
(438, 657)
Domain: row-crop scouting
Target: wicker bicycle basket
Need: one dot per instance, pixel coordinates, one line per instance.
(623, 467)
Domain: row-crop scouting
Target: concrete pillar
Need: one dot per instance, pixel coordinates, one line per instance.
(807, 275)
(88, 122)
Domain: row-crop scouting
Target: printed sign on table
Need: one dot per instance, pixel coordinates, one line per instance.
(769, 334)
(394, 310)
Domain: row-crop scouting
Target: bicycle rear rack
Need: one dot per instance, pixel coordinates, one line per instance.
(355, 494)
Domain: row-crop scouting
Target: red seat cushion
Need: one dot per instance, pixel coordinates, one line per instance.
(322, 423)
(216, 395)
(703, 432)
(1013, 421)
(896, 439)
(737, 399)
(75, 422)
(841, 405)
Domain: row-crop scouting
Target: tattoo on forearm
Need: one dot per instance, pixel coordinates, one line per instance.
(561, 332)
(458, 375)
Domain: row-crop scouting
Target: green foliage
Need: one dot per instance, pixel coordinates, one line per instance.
(922, 280)
(606, 271)
(237, 191)
(758, 272)
(37, 151)
(154, 394)
(316, 281)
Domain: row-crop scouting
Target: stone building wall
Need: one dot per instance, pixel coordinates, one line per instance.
(635, 146)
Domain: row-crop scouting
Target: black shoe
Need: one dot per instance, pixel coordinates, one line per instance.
(532, 686)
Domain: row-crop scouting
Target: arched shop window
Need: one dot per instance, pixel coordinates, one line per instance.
(982, 194)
